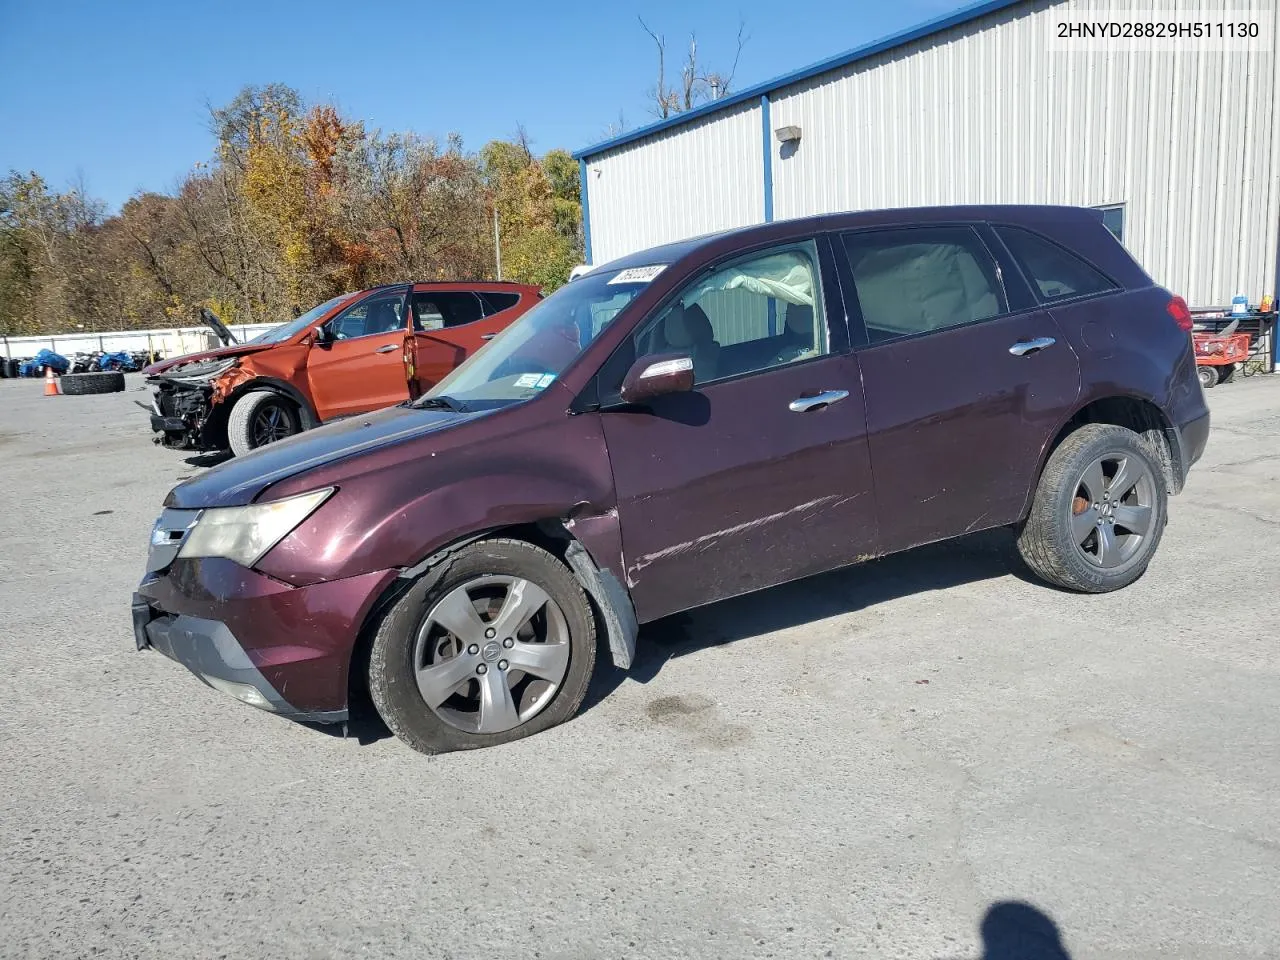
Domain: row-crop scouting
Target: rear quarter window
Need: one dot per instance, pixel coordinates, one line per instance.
(1055, 273)
(497, 302)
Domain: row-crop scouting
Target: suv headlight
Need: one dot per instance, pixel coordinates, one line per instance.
(244, 534)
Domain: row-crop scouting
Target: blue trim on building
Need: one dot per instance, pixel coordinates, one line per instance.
(920, 32)
(586, 210)
(766, 135)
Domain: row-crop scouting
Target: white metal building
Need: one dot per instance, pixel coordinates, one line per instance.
(1181, 146)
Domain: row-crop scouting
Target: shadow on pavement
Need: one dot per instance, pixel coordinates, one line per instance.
(211, 459)
(981, 556)
(1012, 930)
(938, 566)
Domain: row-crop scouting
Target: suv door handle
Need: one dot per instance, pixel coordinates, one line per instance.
(487, 336)
(388, 348)
(817, 401)
(1024, 347)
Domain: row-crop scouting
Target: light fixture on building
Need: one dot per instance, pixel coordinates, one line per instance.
(787, 134)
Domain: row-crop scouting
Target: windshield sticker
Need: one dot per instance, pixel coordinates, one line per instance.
(639, 274)
(546, 380)
(528, 380)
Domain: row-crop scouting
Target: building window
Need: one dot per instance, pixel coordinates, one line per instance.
(1113, 219)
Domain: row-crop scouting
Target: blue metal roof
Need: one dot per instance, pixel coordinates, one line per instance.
(927, 29)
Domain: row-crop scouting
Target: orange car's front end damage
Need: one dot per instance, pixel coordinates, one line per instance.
(189, 407)
(193, 400)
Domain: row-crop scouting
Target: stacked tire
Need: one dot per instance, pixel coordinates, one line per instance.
(82, 384)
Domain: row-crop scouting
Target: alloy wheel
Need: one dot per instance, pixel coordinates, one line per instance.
(1113, 509)
(271, 423)
(491, 654)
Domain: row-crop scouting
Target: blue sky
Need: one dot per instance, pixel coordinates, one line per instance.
(115, 91)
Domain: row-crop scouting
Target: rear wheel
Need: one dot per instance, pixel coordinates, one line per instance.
(498, 646)
(1098, 513)
(1208, 376)
(259, 418)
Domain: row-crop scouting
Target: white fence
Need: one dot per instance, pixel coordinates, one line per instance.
(173, 342)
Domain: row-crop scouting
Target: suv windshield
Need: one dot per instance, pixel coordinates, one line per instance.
(526, 358)
(286, 330)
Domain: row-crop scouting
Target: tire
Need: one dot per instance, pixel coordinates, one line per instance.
(1208, 377)
(1227, 374)
(410, 636)
(80, 384)
(1074, 537)
(258, 418)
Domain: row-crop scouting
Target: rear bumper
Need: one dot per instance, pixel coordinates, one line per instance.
(280, 648)
(1192, 438)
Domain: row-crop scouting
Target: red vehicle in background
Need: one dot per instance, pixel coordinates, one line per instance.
(352, 354)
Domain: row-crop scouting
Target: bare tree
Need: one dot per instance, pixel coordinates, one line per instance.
(524, 142)
(616, 128)
(695, 86)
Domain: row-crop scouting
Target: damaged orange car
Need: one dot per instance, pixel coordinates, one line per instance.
(352, 354)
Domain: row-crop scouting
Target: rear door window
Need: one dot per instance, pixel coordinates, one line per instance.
(1055, 273)
(435, 309)
(916, 281)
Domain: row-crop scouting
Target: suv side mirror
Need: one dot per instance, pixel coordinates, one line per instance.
(322, 336)
(657, 375)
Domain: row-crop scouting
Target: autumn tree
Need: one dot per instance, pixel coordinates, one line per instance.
(539, 210)
(296, 205)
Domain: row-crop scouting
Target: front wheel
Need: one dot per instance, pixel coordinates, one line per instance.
(1098, 512)
(1208, 376)
(258, 418)
(498, 645)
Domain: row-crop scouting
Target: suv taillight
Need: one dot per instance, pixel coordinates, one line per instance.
(1181, 313)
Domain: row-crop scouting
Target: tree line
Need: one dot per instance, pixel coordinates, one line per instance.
(297, 204)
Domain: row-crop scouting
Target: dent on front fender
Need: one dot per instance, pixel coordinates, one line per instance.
(595, 555)
(408, 505)
(398, 504)
(227, 383)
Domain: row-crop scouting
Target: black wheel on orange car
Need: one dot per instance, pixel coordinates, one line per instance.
(1098, 512)
(493, 644)
(1208, 376)
(82, 384)
(261, 417)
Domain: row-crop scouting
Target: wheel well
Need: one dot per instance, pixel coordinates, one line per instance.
(306, 416)
(1143, 418)
(550, 535)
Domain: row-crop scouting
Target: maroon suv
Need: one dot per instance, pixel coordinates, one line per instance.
(688, 424)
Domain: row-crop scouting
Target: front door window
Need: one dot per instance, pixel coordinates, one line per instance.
(748, 316)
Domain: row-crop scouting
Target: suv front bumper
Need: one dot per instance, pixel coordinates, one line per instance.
(281, 648)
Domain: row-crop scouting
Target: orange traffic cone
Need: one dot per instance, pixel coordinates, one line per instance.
(50, 384)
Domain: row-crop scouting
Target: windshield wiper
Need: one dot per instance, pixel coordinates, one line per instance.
(443, 401)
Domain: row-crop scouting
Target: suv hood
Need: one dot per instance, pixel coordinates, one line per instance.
(242, 480)
(239, 350)
(212, 321)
